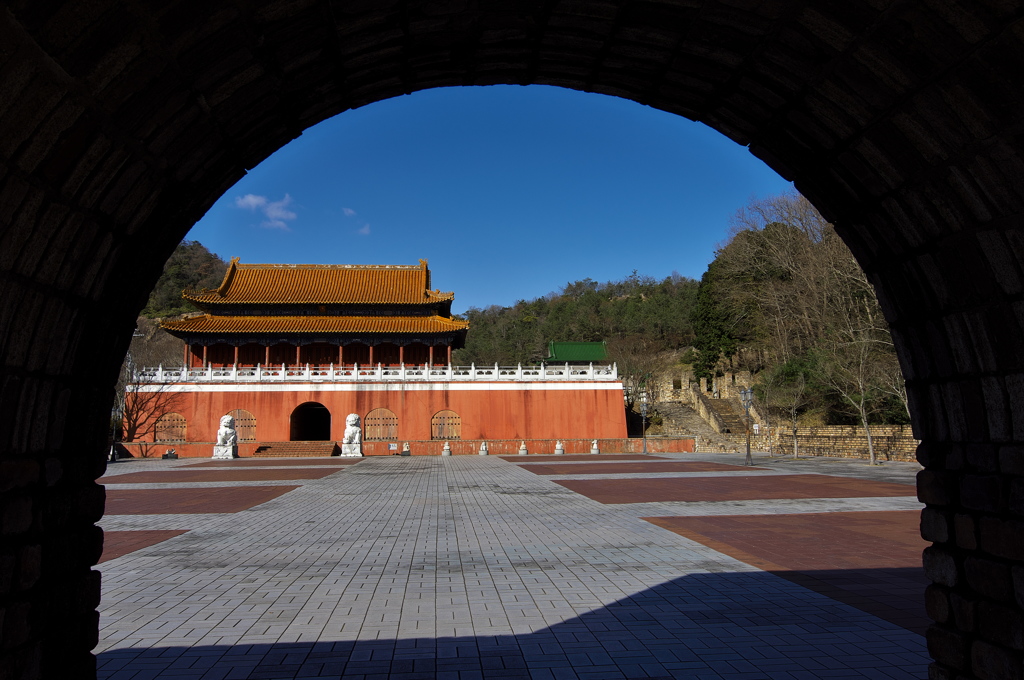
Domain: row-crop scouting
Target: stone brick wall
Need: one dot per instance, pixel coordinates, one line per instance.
(891, 442)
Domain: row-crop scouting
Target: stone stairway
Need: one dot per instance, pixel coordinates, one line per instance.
(733, 419)
(296, 450)
(680, 420)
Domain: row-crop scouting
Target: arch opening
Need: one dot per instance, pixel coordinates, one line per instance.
(310, 422)
(912, 152)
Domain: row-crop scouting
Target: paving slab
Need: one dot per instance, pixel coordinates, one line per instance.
(469, 566)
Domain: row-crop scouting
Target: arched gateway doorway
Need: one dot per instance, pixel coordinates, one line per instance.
(310, 422)
(900, 121)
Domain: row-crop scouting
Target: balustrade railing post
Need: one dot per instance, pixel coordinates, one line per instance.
(355, 370)
(566, 370)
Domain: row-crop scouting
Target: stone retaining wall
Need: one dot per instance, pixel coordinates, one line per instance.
(892, 442)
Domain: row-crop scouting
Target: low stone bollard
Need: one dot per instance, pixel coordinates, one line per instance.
(559, 449)
(483, 448)
(447, 450)
(405, 449)
(593, 447)
(522, 449)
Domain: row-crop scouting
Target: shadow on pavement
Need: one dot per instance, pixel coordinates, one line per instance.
(706, 625)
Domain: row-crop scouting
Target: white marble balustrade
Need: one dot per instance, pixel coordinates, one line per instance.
(357, 373)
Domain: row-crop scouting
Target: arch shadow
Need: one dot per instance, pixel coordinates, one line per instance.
(714, 625)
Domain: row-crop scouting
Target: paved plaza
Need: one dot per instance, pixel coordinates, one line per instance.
(541, 567)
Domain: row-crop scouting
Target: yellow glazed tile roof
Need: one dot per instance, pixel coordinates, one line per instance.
(321, 284)
(315, 324)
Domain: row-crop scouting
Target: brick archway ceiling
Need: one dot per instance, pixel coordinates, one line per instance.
(122, 122)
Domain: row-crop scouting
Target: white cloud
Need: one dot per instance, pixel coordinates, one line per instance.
(365, 229)
(349, 212)
(277, 213)
(250, 201)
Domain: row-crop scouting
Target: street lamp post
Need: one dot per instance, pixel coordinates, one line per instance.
(643, 418)
(747, 397)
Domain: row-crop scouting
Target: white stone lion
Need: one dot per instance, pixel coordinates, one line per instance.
(226, 435)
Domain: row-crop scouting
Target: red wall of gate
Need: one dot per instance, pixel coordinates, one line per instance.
(583, 413)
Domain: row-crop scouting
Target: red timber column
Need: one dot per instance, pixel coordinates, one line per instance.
(266, 356)
(297, 356)
(236, 355)
(371, 355)
(431, 359)
(185, 359)
(401, 354)
(204, 356)
(449, 355)
(341, 354)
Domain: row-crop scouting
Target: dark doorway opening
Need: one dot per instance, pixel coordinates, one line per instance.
(310, 422)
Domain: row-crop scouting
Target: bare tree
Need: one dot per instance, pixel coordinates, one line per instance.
(639, 361)
(138, 400)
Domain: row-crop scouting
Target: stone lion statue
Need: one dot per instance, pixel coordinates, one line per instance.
(352, 440)
(226, 435)
(353, 435)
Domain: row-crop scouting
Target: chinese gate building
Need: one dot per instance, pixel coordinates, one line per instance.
(291, 350)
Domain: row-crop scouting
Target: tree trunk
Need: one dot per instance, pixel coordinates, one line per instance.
(867, 431)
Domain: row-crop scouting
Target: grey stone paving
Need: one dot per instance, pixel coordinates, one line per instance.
(469, 567)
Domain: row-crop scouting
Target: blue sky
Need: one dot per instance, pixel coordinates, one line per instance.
(510, 192)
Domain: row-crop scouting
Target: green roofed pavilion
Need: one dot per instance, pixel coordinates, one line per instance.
(576, 352)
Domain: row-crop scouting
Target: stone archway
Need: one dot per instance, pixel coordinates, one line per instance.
(310, 422)
(901, 124)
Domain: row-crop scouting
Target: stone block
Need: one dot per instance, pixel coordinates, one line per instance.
(1001, 624)
(1011, 460)
(936, 603)
(989, 578)
(940, 566)
(935, 525)
(983, 458)
(1002, 538)
(965, 531)
(981, 492)
(1015, 502)
(965, 612)
(937, 671)
(948, 647)
(936, 488)
(991, 662)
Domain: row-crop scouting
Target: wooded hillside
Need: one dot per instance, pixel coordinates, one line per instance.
(190, 266)
(785, 299)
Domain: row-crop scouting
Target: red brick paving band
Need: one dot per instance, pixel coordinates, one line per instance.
(179, 476)
(215, 499)
(573, 457)
(630, 468)
(119, 543)
(868, 560)
(613, 491)
(272, 462)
